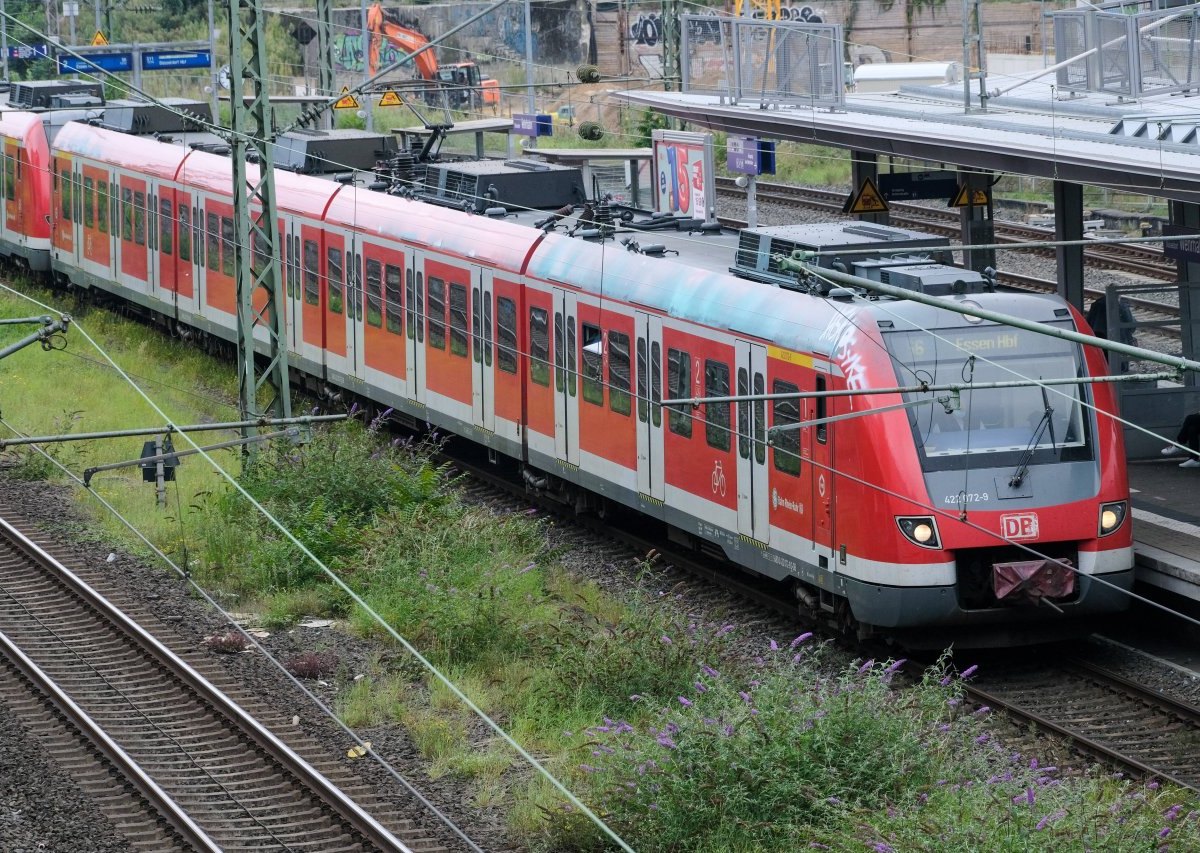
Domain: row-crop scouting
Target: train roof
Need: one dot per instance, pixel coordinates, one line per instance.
(121, 149)
(18, 123)
(494, 241)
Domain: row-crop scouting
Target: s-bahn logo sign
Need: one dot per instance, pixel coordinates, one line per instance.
(1019, 525)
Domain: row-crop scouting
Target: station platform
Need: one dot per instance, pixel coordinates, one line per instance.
(1166, 524)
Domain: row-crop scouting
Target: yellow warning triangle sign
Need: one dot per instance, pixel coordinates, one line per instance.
(967, 197)
(346, 101)
(390, 99)
(98, 40)
(867, 199)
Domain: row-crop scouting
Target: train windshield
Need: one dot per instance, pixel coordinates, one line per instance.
(1002, 423)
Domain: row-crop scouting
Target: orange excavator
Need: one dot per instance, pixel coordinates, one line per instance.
(461, 81)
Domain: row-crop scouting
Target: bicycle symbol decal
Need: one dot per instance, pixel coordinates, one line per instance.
(718, 479)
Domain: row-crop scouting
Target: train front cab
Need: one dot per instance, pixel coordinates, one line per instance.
(25, 190)
(1012, 475)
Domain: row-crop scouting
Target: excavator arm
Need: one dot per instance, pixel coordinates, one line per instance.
(402, 38)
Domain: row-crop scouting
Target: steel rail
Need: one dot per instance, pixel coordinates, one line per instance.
(333, 796)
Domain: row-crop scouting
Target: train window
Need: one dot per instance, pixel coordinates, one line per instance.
(571, 373)
(114, 208)
(392, 307)
(476, 325)
(66, 196)
(420, 307)
(127, 214)
(139, 219)
(487, 329)
(822, 434)
(227, 245)
(102, 206)
(197, 233)
(679, 384)
(437, 313)
(312, 272)
(375, 293)
(506, 322)
(10, 178)
(410, 303)
(77, 189)
(458, 319)
(787, 442)
(716, 415)
(618, 372)
(262, 253)
(539, 346)
(89, 203)
(560, 377)
(656, 384)
(166, 223)
(333, 272)
(151, 225)
(760, 420)
(214, 241)
(185, 233)
(642, 371)
(593, 364)
(743, 413)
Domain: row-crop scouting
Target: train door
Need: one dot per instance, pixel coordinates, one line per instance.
(165, 241)
(12, 199)
(818, 445)
(97, 246)
(753, 507)
(649, 412)
(293, 284)
(414, 341)
(185, 251)
(355, 331)
(483, 384)
(566, 379)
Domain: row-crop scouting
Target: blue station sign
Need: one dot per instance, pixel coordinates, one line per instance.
(108, 61)
(528, 124)
(164, 60)
(749, 155)
(29, 51)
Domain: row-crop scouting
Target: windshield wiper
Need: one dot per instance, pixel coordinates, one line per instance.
(1018, 476)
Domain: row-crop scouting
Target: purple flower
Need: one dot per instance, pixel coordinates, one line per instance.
(833, 800)
(1050, 818)
(725, 629)
(982, 709)
(709, 671)
(880, 847)
(774, 646)
(635, 697)
(701, 687)
(797, 656)
(665, 741)
(969, 671)
(815, 845)
(1164, 832)
(866, 666)
(983, 738)
(587, 768)
(945, 682)
(1153, 786)
(1027, 797)
(745, 696)
(684, 701)
(895, 666)
(727, 731)
(1173, 812)
(665, 640)
(801, 638)
(653, 807)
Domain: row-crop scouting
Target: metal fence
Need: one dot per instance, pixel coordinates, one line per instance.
(771, 62)
(1128, 49)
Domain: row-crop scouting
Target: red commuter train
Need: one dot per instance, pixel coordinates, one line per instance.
(557, 351)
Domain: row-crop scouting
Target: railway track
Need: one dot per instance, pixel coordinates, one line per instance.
(191, 768)
(1103, 714)
(1134, 259)
(1130, 258)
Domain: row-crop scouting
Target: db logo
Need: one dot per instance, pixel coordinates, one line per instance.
(1021, 525)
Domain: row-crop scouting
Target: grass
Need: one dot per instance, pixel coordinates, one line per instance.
(650, 717)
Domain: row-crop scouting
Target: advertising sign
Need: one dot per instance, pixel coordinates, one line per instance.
(683, 174)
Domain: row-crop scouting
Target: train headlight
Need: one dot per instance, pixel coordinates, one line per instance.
(1111, 516)
(920, 530)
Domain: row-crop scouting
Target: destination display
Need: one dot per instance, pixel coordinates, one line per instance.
(107, 61)
(161, 60)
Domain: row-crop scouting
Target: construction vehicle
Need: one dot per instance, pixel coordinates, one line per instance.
(459, 82)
